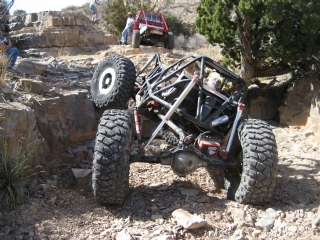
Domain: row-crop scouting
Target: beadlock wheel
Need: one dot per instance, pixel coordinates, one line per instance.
(113, 82)
(107, 80)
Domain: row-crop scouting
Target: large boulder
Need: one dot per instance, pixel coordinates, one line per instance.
(301, 105)
(263, 99)
(66, 119)
(18, 128)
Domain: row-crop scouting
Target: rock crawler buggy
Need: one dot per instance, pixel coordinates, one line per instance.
(197, 106)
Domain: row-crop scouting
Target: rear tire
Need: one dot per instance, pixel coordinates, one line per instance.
(256, 150)
(110, 171)
(136, 39)
(169, 137)
(170, 40)
(113, 82)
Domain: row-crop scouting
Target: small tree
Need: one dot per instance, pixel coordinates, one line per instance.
(115, 15)
(265, 37)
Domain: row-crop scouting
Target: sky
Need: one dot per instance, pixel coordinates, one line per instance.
(34, 6)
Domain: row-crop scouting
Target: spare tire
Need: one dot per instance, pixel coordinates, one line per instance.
(255, 148)
(113, 82)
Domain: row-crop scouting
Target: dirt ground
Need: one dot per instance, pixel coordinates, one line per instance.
(61, 207)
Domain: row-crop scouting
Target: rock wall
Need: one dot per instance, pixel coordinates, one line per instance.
(66, 119)
(54, 29)
(59, 121)
(301, 106)
(262, 102)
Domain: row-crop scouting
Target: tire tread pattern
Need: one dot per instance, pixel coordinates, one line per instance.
(136, 39)
(110, 171)
(260, 162)
(123, 88)
(169, 137)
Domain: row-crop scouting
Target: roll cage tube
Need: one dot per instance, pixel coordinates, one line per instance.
(151, 87)
(6, 8)
(156, 76)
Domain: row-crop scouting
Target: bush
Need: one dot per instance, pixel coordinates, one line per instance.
(190, 43)
(4, 64)
(14, 172)
(180, 42)
(195, 42)
(175, 24)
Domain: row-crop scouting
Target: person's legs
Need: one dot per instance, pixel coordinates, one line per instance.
(94, 12)
(12, 54)
(124, 36)
(128, 34)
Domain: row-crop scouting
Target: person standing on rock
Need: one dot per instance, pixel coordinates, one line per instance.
(11, 52)
(93, 9)
(127, 30)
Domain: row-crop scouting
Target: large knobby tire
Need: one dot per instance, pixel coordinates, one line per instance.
(113, 82)
(170, 40)
(110, 170)
(256, 149)
(136, 39)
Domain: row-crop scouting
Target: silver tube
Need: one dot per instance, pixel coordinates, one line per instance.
(174, 128)
(171, 111)
(220, 120)
(234, 127)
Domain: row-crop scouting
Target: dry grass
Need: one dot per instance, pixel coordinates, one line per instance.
(4, 63)
(213, 52)
(63, 52)
(198, 44)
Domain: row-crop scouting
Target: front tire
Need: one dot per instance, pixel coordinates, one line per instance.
(110, 171)
(256, 150)
(113, 82)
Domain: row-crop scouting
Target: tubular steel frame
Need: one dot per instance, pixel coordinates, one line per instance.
(153, 85)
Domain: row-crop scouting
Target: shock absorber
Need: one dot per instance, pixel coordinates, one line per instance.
(207, 106)
(234, 128)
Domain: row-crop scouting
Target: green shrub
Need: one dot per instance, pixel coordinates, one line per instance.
(115, 13)
(177, 26)
(14, 172)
